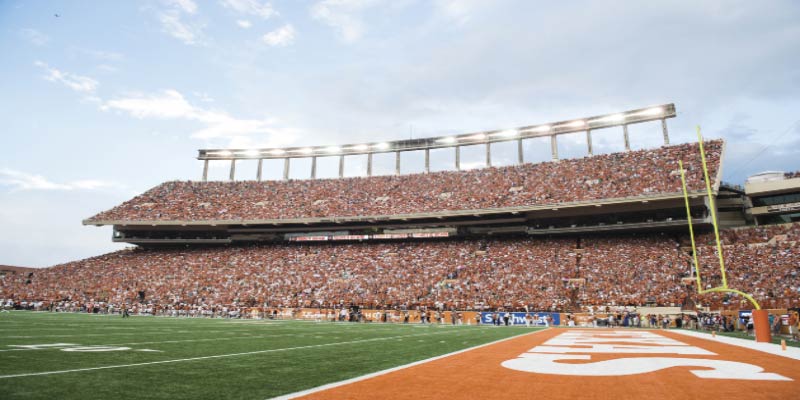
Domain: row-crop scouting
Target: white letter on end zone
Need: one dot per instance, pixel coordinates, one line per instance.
(720, 369)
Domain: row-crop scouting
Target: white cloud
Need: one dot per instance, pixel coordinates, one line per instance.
(175, 20)
(344, 16)
(244, 24)
(78, 83)
(18, 180)
(255, 8)
(187, 6)
(173, 24)
(171, 104)
(282, 36)
(35, 37)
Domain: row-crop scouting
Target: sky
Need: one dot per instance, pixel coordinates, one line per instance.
(102, 100)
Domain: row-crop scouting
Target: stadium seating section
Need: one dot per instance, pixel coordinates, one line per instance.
(543, 273)
(611, 176)
(465, 274)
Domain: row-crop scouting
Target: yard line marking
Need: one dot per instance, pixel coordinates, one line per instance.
(138, 333)
(211, 357)
(166, 341)
(393, 369)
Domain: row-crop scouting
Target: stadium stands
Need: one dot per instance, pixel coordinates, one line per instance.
(558, 273)
(763, 261)
(617, 175)
(465, 274)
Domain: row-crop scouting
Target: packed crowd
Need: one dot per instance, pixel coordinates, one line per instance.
(762, 261)
(552, 274)
(637, 270)
(618, 175)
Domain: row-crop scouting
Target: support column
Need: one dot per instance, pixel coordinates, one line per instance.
(427, 160)
(313, 167)
(258, 172)
(369, 164)
(341, 166)
(488, 154)
(205, 171)
(286, 168)
(520, 154)
(397, 163)
(627, 140)
(233, 170)
(589, 141)
(664, 131)
(458, 158)
(554, 147)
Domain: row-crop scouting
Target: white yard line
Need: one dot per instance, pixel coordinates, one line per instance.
(98, 334)
(390, 370)
(771, 348)
(212, 357)
(164, 341)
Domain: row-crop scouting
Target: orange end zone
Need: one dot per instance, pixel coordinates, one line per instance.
(589, 363)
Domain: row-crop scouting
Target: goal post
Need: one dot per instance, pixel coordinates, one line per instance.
(760, 317)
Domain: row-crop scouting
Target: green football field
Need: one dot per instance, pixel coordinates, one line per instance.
(81, 356)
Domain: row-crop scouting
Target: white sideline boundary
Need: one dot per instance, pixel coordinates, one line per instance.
(770, 348)
(65, 371)
(393, 369)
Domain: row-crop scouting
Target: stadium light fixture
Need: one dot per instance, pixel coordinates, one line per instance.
(645, 114)
(574, 124)
(611, 118)
(651, 112)
(477, 136)
(543, 128)
(508, 133)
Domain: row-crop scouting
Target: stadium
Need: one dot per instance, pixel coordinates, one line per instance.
(449, 284)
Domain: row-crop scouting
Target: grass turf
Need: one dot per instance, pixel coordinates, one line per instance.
(207, 358)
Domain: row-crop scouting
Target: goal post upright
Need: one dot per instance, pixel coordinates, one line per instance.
(760, 317)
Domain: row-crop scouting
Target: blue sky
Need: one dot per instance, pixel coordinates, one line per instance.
(108, 99)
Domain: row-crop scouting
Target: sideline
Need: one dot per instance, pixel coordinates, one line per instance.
(214, 356)
(770, 348)
(393, 369)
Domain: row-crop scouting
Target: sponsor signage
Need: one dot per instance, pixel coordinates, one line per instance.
(309, 238)
(380, 236)
(518, 318)
(390, 236)
(350, 237)
(429, 234)
(744, 316)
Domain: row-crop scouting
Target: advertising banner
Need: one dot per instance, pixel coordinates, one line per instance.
(518, 318)
(744, 316)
